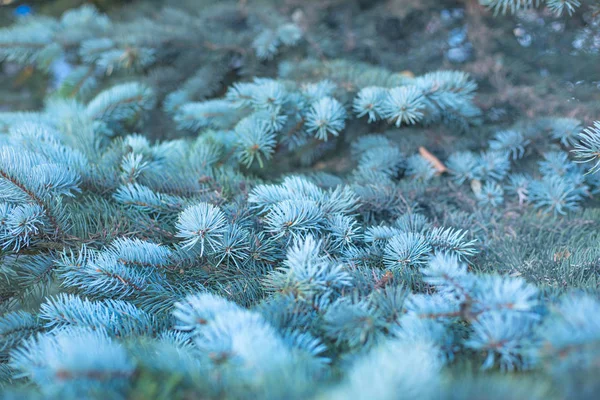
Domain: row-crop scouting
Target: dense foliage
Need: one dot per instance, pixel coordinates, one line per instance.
(229, 259)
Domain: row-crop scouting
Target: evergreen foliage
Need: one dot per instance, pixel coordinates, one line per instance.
(557, 6)
(200, 267)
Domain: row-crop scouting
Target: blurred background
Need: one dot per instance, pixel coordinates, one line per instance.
(529, 64)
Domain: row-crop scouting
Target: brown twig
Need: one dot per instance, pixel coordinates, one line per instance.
(437, 164)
